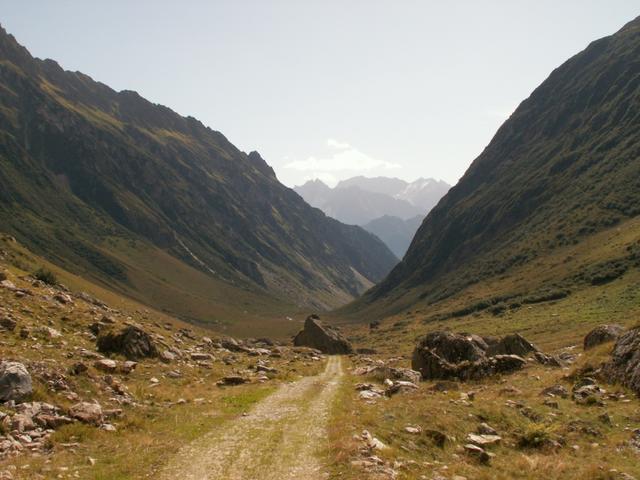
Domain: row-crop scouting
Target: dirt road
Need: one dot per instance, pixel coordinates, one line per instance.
(280, 438)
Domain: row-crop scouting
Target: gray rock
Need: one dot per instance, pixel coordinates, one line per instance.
(130, 341)
(555, 391)
(87, 413)
(602, 334)
(477, 452)
(624, 366)
(323, 337)
(15, 381)
(394, 373)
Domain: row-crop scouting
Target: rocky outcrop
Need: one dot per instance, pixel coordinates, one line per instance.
(130, 341)
(15, 381)
(323, 337)
(602, 334)
(446, 355)
(624, 366)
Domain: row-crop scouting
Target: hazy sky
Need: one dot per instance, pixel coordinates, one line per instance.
(327, 89)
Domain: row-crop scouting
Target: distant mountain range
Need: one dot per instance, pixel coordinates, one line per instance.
(161, 207)
(390, 208)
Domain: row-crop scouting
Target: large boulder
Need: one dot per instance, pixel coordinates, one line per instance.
(433, 367)
(130, 341)
(602, 334)
(323, 337)
(514, 344)
(454, 347)
(15, 382)
(624, 366)
(445, 355)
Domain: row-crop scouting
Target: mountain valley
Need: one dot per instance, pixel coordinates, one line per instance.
(169, 309)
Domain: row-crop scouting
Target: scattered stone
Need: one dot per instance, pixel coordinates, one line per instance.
(106, 365)
(15, 381)
(167, 356)
(555, 391)
(128, 366)
(477, 452)
(382, 372)
(372, 442)
(78, 368)
(483, 440)
(198, 356)
(587, 392)
(62, 298)
(232, 380)
(399, 387)
(486, 429)
(602, 334)
(50, 333)
(323, 337)
(548, 360)
(87, 413)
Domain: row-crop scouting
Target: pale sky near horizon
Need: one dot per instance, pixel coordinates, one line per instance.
(326, 89)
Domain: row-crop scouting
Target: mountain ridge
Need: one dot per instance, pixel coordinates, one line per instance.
(562, 167)
(94, 175)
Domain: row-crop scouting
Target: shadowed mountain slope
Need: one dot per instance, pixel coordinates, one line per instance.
(158, 205)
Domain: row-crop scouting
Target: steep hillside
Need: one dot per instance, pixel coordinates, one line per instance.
(563, 167)
(395, 232)
(160, 206)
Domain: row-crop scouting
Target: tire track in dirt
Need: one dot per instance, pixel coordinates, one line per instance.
(279, 439)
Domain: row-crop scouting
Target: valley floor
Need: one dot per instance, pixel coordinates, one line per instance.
(281, 438)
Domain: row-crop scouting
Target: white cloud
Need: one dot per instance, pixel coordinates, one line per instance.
(333, 143)
(347, 159)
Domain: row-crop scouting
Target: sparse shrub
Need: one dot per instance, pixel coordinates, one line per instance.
(546, 296)
(536, 435)
(47, 276)
(498, 309)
